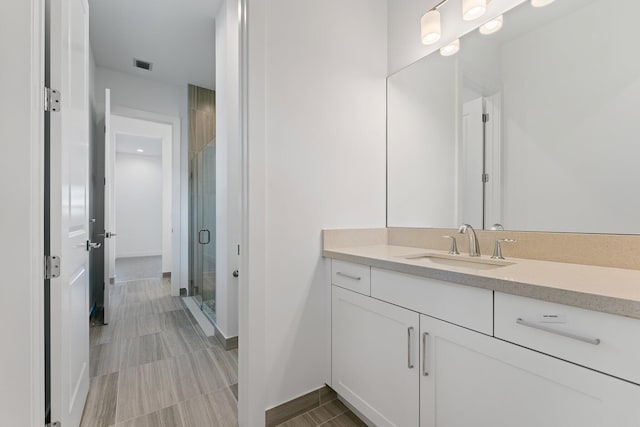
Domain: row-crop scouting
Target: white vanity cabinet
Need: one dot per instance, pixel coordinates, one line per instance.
(426, 356)
(470, 379)
(375, 358)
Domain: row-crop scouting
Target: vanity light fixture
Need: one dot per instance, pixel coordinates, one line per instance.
(541, 3)
(473, 9)
(492, 26)
(450, 49)
(430, 27)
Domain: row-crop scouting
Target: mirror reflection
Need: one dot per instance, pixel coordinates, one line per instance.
(534, 126)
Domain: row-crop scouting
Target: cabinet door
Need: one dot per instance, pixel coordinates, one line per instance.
(375, 358)
(469, 379)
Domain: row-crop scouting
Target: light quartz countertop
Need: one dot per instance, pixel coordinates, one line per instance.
(604, 289)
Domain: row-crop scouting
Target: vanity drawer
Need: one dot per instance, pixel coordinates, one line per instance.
(355, 277)
(459, 304)
(601, 341)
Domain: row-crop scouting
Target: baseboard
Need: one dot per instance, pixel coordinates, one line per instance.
(207, 327)
(227, 343)
(138, 254)
(298, 406)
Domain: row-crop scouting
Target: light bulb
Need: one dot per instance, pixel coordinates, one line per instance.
(473, 9)
(450, 49)
(492, 26)
(541, 3)
(140, 150)
(430, 27)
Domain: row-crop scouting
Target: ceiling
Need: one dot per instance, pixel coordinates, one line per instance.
(177, 36)
(126, 143)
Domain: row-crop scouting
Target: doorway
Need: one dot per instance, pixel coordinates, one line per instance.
(142, 208)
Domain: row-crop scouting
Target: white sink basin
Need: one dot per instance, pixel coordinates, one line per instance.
(476, 263)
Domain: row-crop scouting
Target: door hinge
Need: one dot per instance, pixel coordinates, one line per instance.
(51, 266)
(485, 177)
(51, 100)
(54, 424)
(485, 117)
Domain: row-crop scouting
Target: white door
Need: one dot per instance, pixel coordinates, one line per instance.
(108, 197)
(470, 379)
(69, 232)
(472, 164)
(375, 358)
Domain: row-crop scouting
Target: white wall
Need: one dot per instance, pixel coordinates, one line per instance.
(228, 167)
(164, 103)
(138, 205)
(405, 46)
(132, 91)
(571, 127)
(323, 165)
(21, 213)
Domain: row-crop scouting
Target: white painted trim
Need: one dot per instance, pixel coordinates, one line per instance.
(36, 232)
(251, 366)
(180, 174)
(138, 254)
(207, 327)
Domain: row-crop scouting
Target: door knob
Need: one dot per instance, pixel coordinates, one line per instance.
(91, 245)
(235, 273)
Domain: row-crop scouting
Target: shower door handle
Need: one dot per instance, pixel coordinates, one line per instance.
(200, 237)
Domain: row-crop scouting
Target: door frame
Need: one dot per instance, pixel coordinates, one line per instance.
(179, 191)
(252, 259)
(252, 281)
(28, 408)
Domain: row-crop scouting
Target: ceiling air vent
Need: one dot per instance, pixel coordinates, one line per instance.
(144, 65)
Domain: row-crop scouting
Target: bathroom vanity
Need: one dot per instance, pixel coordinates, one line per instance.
(529, 343)
(520, 128)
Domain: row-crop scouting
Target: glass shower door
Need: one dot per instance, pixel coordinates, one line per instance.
(202, 204)
(195, 215)
(209, 231)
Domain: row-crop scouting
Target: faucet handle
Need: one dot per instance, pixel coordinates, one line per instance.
(454, 245)
(497, 250)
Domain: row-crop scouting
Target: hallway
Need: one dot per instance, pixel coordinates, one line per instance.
(153, 365)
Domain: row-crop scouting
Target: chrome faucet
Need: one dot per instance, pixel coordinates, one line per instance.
(474, 247)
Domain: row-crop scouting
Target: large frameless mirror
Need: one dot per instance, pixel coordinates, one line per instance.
(534, 126)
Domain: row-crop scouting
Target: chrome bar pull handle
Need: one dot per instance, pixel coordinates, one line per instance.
(409, 355)
(425, 368)
(588, 340)
(348, 276)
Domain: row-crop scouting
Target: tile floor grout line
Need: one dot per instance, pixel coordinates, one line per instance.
(175, 404)
(331, 419)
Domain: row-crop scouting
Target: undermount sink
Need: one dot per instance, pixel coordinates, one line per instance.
(476, 263)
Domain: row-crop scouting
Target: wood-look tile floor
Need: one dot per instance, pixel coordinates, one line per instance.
(153, 365)
(331, 414)
(135, 268)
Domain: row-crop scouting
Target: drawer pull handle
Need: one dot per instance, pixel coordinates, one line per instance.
(409, 358)
(425, 338)
(594, 341)
(348, 276)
